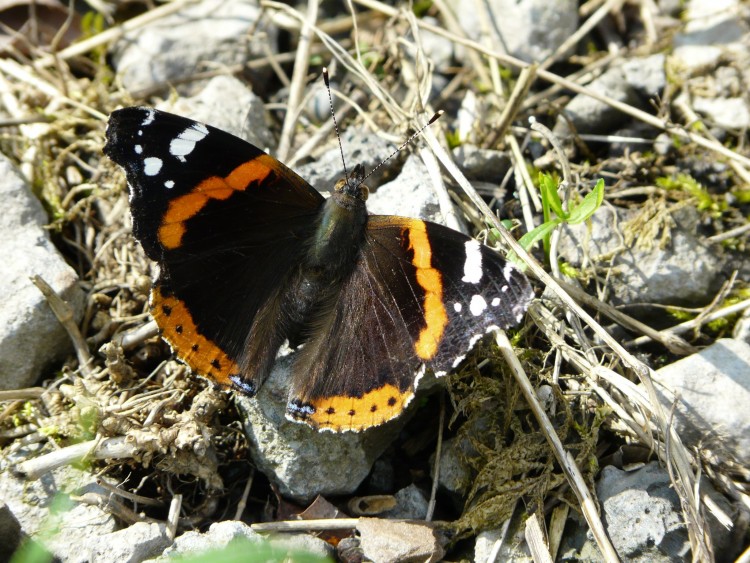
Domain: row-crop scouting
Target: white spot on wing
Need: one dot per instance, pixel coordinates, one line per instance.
(169, 184)
(477, 305)
(184, 143)
(457, 307)
(152, 166)
(473, 263)
(496, 302)
(149, 119)
(138, 149)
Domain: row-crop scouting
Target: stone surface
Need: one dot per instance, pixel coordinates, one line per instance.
(227, 104)
(646, 75)
(513, 548)
(714, 29)
(410, 194)
(384, 541)
(134, 544)
(712, 389)
(528, 29)
(728, 113)
(46, 512)
(742, 327)
(587, 115)
(218, 536)
(231, 539)
(685, 272)
(201, 37)
(482, 164)
(637, 82)
(641, 513)
(411, 504)
(300, 460)
(31, 337)
(455, 475)
(360, 146)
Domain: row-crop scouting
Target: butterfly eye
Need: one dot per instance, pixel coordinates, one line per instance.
(340, 185)
(364, 192)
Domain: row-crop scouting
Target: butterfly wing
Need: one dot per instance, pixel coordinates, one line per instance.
(415, 305)
(222, 258)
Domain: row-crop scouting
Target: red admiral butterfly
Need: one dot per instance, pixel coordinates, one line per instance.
(251, 256)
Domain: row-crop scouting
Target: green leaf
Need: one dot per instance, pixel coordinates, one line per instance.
(544, 230)
(588, 205)
(548, 189)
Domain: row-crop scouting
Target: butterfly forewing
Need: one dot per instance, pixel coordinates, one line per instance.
(226, 223)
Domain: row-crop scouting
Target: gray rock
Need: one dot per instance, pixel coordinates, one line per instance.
(203, 36)
(410, 194)
(641, 513)
(643, 518)
(47, 515)
(742, 327)
(218, 536)
(290, 544)
(236, 537)
(646, 74)
(455, 475)
(360, 147)
(439, 51)
(727, 113)
(718, 420)
(577, 544)
(134, 544)
(482, 164)
(386, 541)
(685, 271)
(229, 105)
(587, 115)
(642, 133)
(729, 81)
(382, 476)
(411, 504)
(513, 549)
(671, 7)
(31, 337)
(300, 460)
(713, 31)
(530, 29)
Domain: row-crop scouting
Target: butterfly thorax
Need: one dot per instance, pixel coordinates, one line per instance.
(339, 233)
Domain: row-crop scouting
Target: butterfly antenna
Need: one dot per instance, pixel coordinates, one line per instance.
(335, 123)
(432, 120)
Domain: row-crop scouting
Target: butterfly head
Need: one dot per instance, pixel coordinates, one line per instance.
(352, 185)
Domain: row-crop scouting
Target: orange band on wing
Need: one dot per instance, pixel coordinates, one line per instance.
(178, 328)
(182, 208)
(341, 413)
(431, 281)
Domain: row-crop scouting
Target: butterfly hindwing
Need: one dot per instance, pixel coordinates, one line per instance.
(420, 296)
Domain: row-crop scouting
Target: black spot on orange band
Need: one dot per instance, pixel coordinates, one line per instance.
(181, 209)
(340, 413)
(200, 353)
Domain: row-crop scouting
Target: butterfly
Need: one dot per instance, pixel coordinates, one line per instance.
(252, 257)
